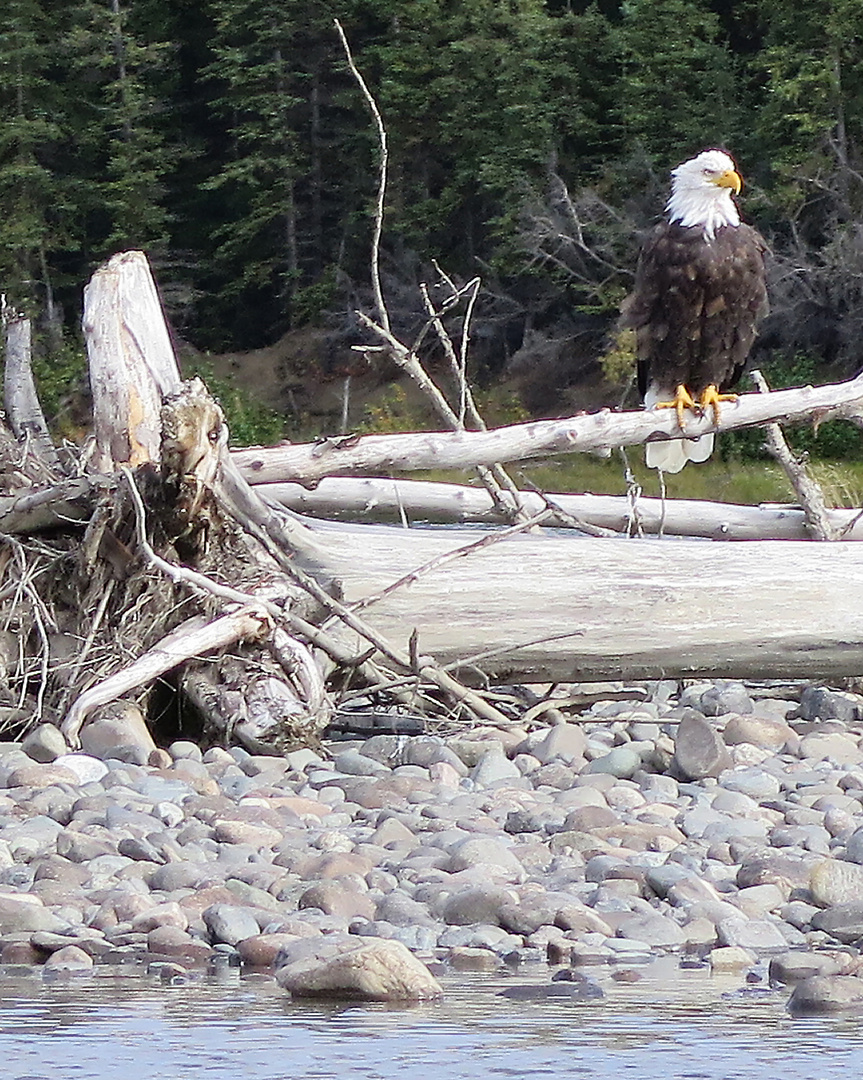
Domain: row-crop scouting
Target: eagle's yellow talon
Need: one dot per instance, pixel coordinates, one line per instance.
(682, 400)
(711, 398)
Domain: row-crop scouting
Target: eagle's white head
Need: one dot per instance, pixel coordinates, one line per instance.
(701, 192)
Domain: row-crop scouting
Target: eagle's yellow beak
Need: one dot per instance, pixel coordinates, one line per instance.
(730, 179)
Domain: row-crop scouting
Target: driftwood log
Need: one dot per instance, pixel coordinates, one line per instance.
(604, 430)
(168, 571)
(374, 499)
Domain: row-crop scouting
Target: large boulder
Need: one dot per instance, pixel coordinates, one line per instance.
(375, 969)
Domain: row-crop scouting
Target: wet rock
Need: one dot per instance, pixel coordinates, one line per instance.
(230, 924)
(698, 749)
(463, 958)
(827, 994)
(793, 967)
(579, 989)
(371, 970)
(261, 950)
(68, 961)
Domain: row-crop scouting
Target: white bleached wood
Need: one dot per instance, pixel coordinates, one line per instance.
(376, 499)
(195, 637)
(19, 392)
(132, 362)
(604, 430)
(615, 608)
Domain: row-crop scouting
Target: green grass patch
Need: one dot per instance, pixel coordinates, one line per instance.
(746, 482)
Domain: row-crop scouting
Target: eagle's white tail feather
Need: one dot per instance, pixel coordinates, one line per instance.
(668, 456)
(699, 449)
(672, 455)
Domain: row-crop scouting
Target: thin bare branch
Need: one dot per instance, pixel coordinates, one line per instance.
(383, 314)
(450, 556)
(808, 490)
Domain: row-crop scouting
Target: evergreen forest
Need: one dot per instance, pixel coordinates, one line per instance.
(529, 142)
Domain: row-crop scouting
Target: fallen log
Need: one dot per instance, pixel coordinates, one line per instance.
(353, 455)
(580, 609)
(379, 499)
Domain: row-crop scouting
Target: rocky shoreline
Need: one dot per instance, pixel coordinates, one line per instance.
(718, 822)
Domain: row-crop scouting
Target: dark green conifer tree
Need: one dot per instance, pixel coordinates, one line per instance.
(29, 192)
(678, 84)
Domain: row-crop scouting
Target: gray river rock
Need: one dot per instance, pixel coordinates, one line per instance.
(721, 824)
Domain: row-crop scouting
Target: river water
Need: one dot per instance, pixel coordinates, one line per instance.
(668, 1025)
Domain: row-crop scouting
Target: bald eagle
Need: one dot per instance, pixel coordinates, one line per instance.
(699, 295)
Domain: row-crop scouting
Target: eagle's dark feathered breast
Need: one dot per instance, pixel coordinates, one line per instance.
(699, 295)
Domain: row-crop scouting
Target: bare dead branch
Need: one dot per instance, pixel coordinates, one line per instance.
(806, 487)
(383, 314)
(456, 553)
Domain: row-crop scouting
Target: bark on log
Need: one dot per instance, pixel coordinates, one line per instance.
(355, 455)
(379, 499)
(574, 609)
(132, 363)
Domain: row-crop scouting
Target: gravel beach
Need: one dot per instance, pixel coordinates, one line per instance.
(719, 822)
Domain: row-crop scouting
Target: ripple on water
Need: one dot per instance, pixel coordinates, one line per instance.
(667, 1025)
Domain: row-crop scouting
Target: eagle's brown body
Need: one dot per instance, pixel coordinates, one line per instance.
(700, 292)
(696, 306)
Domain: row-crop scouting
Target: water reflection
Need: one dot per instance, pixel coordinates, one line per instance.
(677, 1026)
